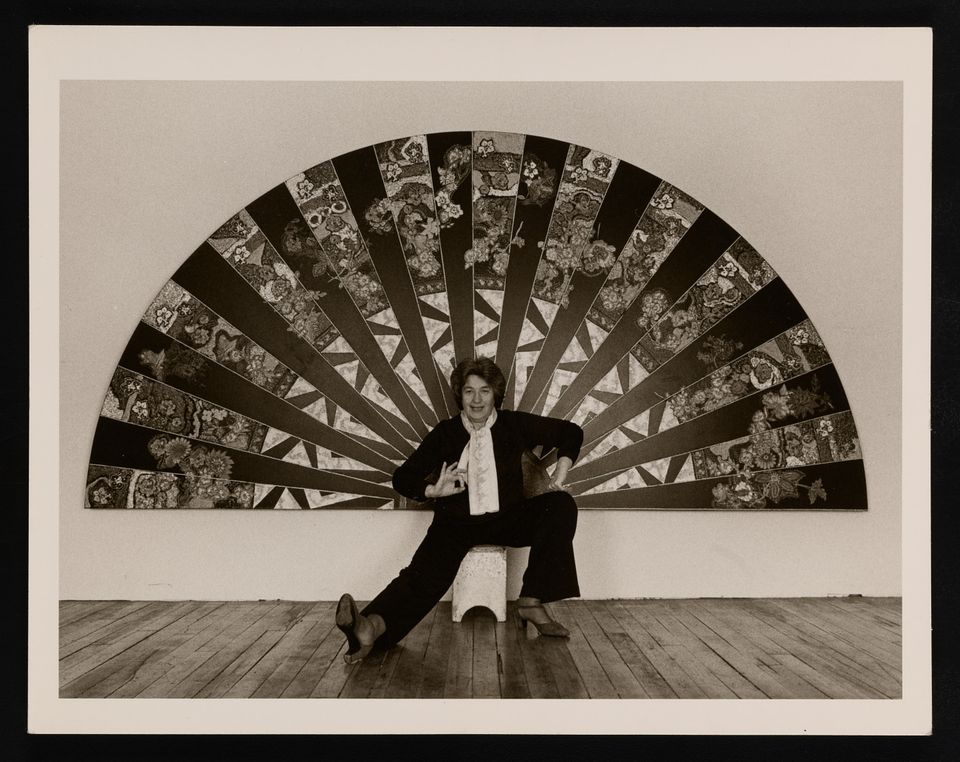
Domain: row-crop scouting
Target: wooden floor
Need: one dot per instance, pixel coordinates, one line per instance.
(702, 648)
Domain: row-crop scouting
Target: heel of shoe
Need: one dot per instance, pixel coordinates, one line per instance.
(550, 628)
(519, 620)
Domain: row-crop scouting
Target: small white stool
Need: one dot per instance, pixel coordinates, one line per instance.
(482, 581)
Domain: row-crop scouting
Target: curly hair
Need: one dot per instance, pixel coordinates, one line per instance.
(488, 370)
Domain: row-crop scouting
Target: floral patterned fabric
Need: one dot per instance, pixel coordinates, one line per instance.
(572, 244)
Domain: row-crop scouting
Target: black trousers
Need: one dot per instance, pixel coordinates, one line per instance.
(546, 523)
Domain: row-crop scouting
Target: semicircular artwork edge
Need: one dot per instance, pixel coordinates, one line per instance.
(304, 349)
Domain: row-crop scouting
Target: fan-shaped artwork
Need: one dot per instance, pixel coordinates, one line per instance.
(303, 350)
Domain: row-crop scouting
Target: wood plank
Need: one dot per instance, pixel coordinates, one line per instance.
(592, 674)
(319, 662)
(176, 652)
(891, 603)
(74, 611)
(290, 613)
(436, 658)
(66, 608)
(388, 668)
(682, 684)
(69, 610)
(147, 657)
(222, 650)
(854, 667)
(650, 680)
(704, 653)
(459, 678)
(220, 626)
(100, 617)
(839, 649)
(513, 678)
(291, 633)
(862, 638)
(742, 654)
(866, 634)
(624, 682)
(486, 667)
(364, 676)
(275, 625)
(219, 685)
(97, 652)
(566, 676)
(709, 683)
(865, 611)
(114, 631)
(740, 629)
(538, 669)
(124, 664)
(543, 666)
(778, 648)
(817, 653)
(773, 653)
(321, 622)
(408, 676)
(335, 676)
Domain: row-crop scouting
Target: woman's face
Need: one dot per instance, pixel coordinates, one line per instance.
(477, 399)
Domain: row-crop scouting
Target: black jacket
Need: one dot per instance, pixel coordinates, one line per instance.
(513, 432)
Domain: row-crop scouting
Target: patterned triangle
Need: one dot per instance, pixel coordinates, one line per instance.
(349, 371)
(626, 480)
(637, 372)
(300, 387)
(597, 334)
(574, 353)
(318, 499)
(371, 390)
(288, 502)
(611, 383)
(558, 383)
(440, 302)
(318, 409)
(407, 370)
(388, 344)
(588, 408)
(669, 420)
(611, 442)
(434, 329)
(547, 309)
(272, 438)
(298, 455)
(494, 298)
(639, 423)
(658, 468)
(266, 495)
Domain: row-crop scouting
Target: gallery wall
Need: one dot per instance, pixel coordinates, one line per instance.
(809, 173)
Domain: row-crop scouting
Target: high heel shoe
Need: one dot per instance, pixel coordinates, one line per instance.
(347, 620)
(548, 627)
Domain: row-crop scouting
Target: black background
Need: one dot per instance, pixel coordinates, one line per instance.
(942, 15)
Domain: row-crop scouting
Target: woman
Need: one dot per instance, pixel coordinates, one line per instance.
(470, 467)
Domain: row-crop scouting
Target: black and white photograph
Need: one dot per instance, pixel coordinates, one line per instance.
(470, 381)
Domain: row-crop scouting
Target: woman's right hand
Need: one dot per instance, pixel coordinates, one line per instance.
(452, 481)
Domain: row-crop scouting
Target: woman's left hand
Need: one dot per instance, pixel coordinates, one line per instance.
(555, 486)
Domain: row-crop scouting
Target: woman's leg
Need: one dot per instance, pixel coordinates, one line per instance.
(411, 595)
(547, 523)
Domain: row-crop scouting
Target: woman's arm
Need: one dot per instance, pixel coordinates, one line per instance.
(565, 436)
(421, 469)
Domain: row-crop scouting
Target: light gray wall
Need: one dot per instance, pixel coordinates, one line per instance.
(809, 173)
